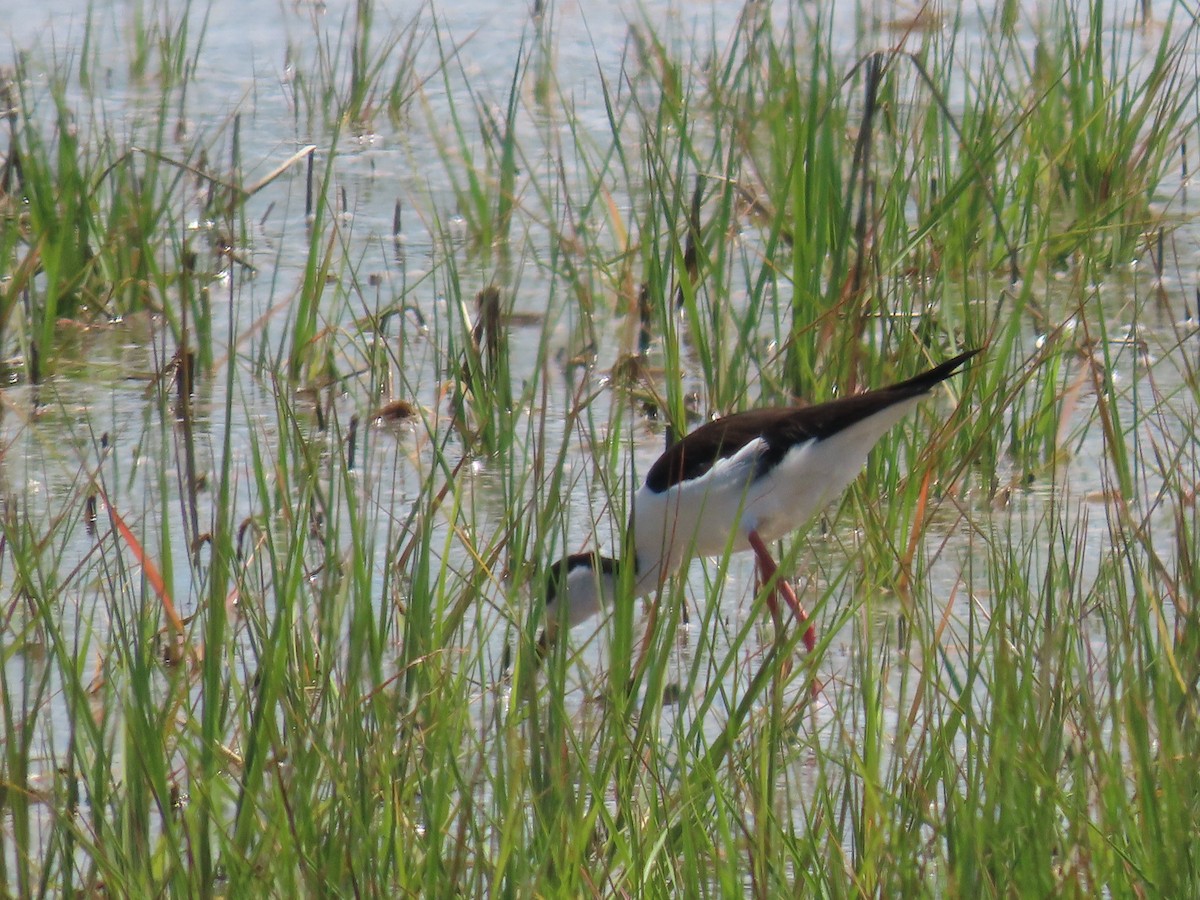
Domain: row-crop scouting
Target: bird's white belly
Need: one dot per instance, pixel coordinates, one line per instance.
(715, 513)
(803, 483)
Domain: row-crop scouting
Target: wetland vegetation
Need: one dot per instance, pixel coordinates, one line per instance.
(325, 330)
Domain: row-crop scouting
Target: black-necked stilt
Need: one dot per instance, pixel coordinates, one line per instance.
(735, 484)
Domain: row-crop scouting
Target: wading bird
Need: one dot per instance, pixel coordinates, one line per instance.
(737, 483)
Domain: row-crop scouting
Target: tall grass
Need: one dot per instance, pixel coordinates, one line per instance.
(279, 491)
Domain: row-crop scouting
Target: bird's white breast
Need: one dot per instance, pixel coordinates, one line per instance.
(715, 512)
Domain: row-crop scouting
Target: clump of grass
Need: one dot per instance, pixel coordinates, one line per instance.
(96, 230)
(354, 77)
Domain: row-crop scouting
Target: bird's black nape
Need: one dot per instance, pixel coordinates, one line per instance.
(560, 570)
(594, 565)
(554, 583)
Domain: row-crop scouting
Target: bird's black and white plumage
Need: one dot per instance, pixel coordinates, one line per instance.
(735, 484)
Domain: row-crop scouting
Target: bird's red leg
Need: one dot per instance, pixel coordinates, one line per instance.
(769, 571)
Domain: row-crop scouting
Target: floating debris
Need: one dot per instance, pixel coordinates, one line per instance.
(395, 411)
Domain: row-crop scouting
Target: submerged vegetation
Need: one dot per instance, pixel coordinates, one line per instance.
(307, 386)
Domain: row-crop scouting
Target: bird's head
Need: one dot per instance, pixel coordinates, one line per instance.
(577, 587)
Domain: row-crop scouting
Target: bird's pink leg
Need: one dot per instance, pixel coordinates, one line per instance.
(770, 570)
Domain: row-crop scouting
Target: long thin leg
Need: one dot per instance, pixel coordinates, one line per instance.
(772, 599)
(770, 571)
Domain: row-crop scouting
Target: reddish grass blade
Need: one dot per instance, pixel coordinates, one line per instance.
(149, 569)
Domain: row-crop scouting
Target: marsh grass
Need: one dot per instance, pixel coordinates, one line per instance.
(259, 637)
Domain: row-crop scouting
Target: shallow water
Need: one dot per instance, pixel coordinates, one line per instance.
(245, 66)
(249, 63)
